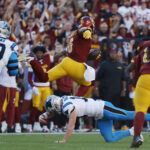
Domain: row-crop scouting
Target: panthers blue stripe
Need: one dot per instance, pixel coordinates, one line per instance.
(68, 103)
(12, 46)
(13, 64)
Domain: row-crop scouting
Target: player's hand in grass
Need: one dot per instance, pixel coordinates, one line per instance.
(60, 141)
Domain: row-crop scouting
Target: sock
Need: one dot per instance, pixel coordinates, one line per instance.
(33, 114)
(138, 123)
(17, 115)
(10, 114)
(87, 122)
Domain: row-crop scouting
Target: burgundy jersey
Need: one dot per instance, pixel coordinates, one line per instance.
(45, 64)
(142, 65)
(79, 47)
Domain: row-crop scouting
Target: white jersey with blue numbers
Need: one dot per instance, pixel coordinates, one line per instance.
(6, 48)
(83, 106)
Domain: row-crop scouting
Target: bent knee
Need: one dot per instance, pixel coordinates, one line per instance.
(108, 137)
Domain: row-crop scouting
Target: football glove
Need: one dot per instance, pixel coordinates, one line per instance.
(87, 34)
(25, 57)
(36, 91)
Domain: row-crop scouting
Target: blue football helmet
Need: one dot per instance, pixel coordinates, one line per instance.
(5, 29)
(53, 104)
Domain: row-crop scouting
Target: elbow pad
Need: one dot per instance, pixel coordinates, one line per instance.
(13, 64)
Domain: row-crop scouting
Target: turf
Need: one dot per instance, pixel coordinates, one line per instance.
(76, 142)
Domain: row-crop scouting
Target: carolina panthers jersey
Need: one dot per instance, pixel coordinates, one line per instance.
(83, 106)
(6, 48)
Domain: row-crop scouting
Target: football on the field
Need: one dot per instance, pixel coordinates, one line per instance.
(93, 54)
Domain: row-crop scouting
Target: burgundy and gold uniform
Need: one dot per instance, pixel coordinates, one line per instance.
(143, 71)
(44, 88)
(78, 50)
(142, 91)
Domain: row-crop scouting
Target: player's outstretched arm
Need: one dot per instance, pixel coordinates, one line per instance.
(38, 70)
(71, 125)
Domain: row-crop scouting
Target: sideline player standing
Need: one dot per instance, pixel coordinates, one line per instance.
(105, 112)
(8, 71)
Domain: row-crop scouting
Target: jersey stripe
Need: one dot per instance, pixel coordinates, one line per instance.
(12, 46)
(68, 103)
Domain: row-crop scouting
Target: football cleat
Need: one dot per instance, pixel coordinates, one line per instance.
(45, 129)
(137, 141)
(37, 127)
(10, 129)
(17, 128)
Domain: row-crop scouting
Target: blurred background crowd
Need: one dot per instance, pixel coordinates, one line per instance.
(120, 27)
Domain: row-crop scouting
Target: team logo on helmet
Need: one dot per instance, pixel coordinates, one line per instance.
(86, 21)
(53, 104)
(5, 30)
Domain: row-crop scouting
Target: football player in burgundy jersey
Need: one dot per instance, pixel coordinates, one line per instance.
(141, 64)
(74, 64)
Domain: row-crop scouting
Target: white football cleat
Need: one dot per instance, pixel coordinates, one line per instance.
(45, 129)
(4, 126)
(29, 128)
(17, 128)
(37, 127)
(131, 130)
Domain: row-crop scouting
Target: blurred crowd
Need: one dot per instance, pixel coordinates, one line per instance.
(120, 25)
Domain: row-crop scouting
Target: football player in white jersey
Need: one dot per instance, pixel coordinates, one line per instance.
(7, 50)
(105, 112)
(8, 71)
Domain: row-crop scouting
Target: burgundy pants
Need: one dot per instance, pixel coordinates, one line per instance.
(10, 95)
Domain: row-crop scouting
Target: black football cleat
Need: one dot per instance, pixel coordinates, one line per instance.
(137, 141)
(10, 129)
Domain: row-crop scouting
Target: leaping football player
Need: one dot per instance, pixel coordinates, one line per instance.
(74, 64)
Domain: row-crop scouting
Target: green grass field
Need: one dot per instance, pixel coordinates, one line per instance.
(76, 142)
